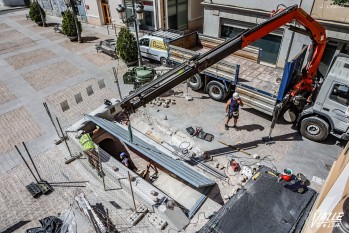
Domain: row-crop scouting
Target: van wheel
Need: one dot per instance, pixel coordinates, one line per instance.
(195, 82)
(314, 128)
(216, 90)
(163, 61)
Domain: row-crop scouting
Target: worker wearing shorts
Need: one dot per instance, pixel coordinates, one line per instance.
(232, 109)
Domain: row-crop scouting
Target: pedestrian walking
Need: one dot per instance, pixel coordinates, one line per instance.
(232, 109)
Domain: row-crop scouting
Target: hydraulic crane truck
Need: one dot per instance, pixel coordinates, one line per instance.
(320, 105)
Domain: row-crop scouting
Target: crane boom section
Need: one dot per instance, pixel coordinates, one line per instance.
(199, 63)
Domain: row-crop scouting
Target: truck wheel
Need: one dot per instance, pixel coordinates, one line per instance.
(216, 90)
(195, 82)
(163, 61)
(314, 128)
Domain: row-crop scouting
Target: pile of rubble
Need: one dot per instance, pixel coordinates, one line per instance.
(162, 102)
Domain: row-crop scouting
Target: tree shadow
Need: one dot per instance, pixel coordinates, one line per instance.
(87, 39)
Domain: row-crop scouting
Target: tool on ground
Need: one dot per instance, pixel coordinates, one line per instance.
(73, 158)
(235, 165)
(255, 176)
(40, 187)
(200, 133)
(65, 138)
(271, 173)
(286, 175)
(50, 116)
(255, 156)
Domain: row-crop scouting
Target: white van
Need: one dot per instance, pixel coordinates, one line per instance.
(153, 47)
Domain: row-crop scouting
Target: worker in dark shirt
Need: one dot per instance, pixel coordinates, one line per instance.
(232, 109)
(124, 159)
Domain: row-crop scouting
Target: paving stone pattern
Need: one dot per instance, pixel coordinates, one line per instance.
(44, 77)
(4, 26)
(5, 94)
(40, 29)
(16, 45)
(17, 204)
(30, 58)
(17, 126)
(53, 35)
(88, 103)
(99, 59)
(11, 35)
(74, 46)
(25, 21)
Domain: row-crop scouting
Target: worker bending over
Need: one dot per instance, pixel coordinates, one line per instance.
(232, 109)
(89, 147)
(126, 160)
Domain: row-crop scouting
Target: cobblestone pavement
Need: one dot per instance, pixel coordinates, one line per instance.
(44, 77)
(17, 126)
(5, 94)
(12, 46)
(29, 58)
(39, 66)
(86, 103)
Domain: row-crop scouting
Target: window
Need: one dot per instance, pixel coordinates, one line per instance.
(177, 14)
(144, 42)
(340, 94)
(269, 44)
(345, 49)
(326, 59)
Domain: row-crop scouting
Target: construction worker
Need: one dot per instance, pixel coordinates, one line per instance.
(232, 109)
(89, 147)
(126, 160)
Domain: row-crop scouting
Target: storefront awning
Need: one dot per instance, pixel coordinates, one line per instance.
(176, 167)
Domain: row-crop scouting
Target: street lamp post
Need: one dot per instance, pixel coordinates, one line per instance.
(137, 16)
(69, 3)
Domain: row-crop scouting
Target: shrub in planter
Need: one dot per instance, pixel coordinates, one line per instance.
(126, 45)
(68, 25)
(34, 12)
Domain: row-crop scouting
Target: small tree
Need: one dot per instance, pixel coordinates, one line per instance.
(34, 12)
(126, 45)
(68, 24)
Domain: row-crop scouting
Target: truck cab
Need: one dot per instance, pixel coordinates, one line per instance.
(330, 112)
(154, 48)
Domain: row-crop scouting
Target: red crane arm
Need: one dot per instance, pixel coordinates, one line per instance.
(317, 34)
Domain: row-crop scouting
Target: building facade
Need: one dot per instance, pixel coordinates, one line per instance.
(335, 19)
(184, 15)
(226, 19)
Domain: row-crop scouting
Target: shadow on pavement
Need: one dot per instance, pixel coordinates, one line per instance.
(254, 144)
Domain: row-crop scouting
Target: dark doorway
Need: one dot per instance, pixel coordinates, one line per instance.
(113, 147)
